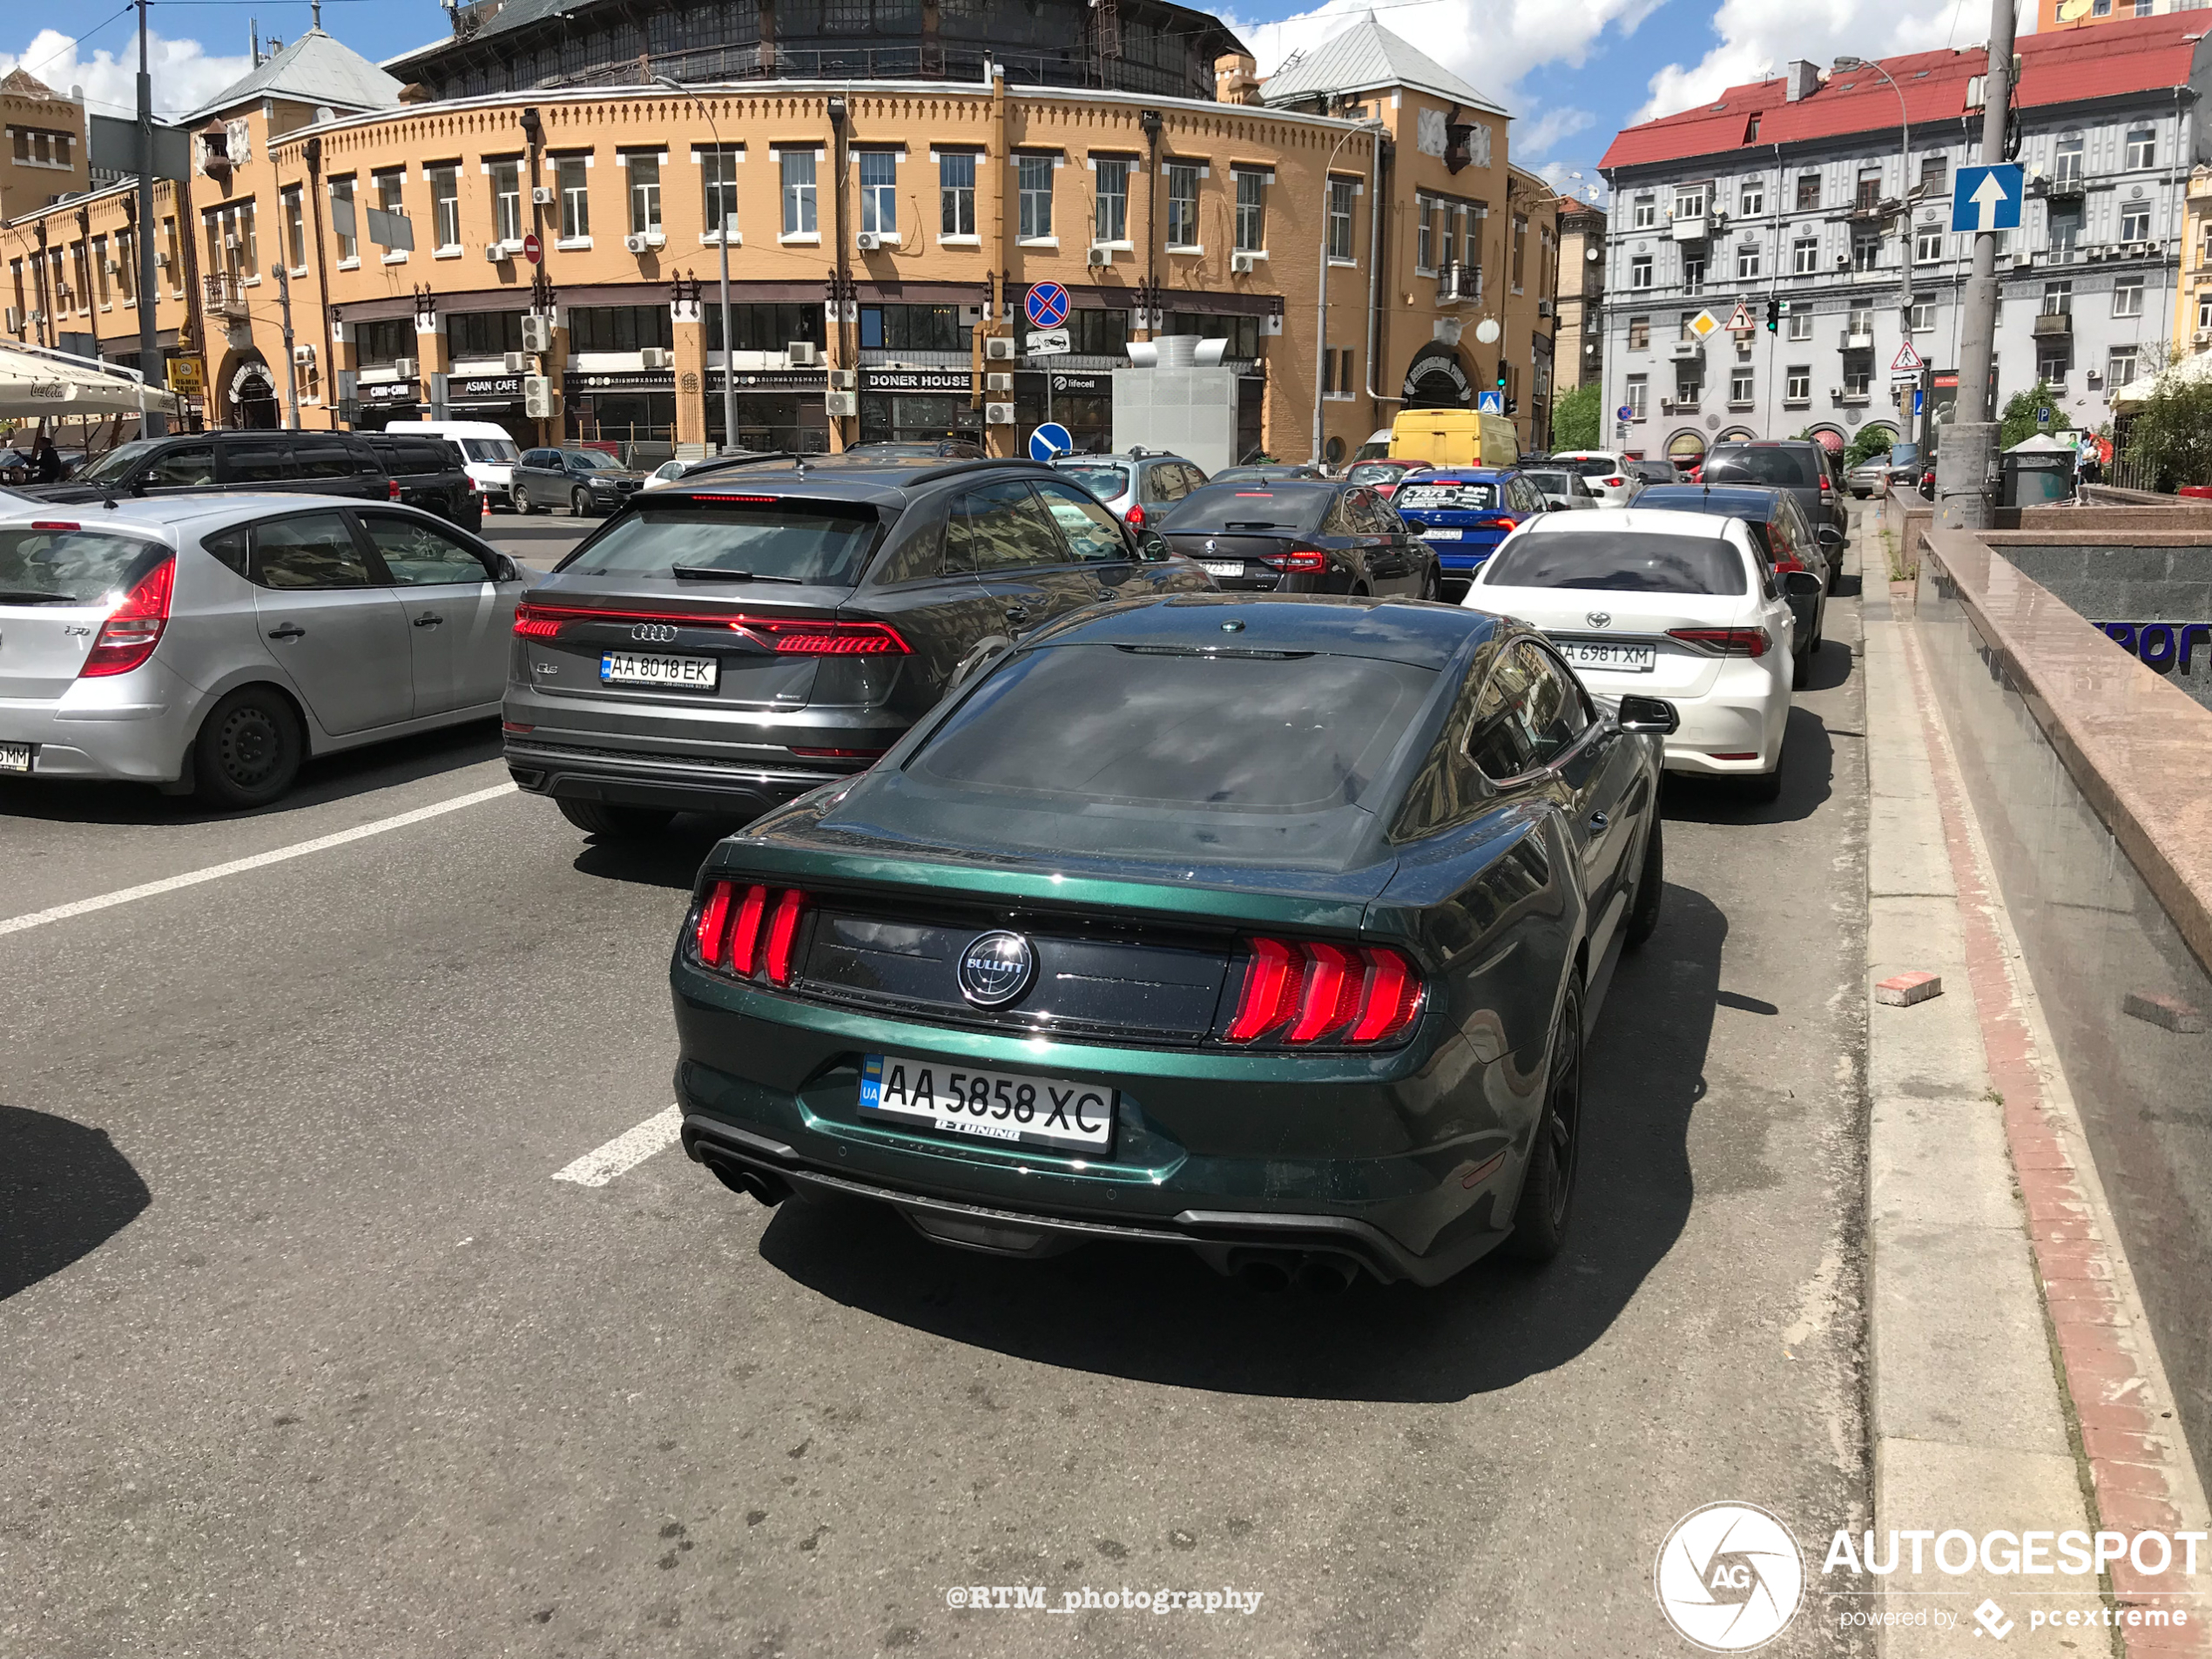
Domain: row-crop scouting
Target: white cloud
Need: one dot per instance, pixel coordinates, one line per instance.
(1540, 135)
(1757, 37)
(184, 74)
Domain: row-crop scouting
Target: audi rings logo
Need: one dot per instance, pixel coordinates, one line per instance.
(1599, 619)
(653, 633)
(1729, 1578)
(995, 968)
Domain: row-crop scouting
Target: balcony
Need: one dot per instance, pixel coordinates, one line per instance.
(1686, 351)
(1860, 393)
(2063, 186)
(1678, 406)
(1688, 229)
(2054, 322)
(1459, 285)
(1862, 340)
(224, 297)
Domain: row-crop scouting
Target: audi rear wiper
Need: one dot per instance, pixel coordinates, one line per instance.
(717, 573)
(32, 597)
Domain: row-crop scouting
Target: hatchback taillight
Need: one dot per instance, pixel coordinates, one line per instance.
(1788, 562)
(1311, 992)
(134, 627)
(1136, 518)
(391, 489)
(1725, 642)
(1298, 560)
(750, 931)
(1613, 483)
(1502, 522)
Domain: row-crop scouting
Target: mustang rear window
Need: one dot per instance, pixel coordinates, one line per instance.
(69, 567)
(1464, 498)
(821, 544)
(1620, 561)
(1073, 725)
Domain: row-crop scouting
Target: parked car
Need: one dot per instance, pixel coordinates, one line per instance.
(428, 472)
(1868, 477)
(1608, 475)
(1273, 472)
(210, 643)
(1667, 605)
(1251, 927)
(487, 451)
(1136, 488)
(1464, 515)
(1786, 540)
(726, 653)
(1798, 465)
(1661, 471)
(586, 481)
(1560, 487)
(669, 471)
(1384, 475)
(312, 463)
(1302, 536)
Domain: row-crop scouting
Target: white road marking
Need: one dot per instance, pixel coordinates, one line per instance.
(238, 866)
(626, 1152)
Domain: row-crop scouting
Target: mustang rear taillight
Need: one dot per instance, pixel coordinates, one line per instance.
(134, 627)
(1299, 559)
(1725, 642)
(747, 931)
(1310, 991)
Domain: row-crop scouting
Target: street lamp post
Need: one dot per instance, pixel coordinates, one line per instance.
(722, 246)
(1862, 65)
(1321, 303)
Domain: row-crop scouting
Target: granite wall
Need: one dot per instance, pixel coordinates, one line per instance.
(2153, 597)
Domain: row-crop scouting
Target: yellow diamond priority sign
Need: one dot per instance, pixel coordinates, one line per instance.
(1704, 324)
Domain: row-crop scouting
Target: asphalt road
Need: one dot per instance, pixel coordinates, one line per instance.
(307, 1353)
(539, 540)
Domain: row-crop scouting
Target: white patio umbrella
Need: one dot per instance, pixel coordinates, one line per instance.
(37, 383)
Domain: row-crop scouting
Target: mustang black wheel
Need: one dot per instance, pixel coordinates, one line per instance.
(1651, 886)
(608, 823)
(1548, 1189)
(248, 750)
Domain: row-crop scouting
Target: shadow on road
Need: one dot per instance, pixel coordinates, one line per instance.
(671, 859)
(1831, 666)
(65, 1191)
(1808, 779)
(1158, 1315)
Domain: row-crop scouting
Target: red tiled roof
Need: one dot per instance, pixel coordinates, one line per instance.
(2136, 55)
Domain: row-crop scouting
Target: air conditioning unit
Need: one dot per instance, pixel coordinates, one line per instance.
(498, 253)
(657, 357)
(1543, 307)
(803, 354)
(404, 367)
(999, 349)
(999, 383)
(868, 241)
(165, 260)
(1101, 256)
(845, 379)
(998, 414)
(1241, 264)
(517, 362)
(539, 401)
(537, 332)
(304, 356)
(635, 243)
(2201, 337)
(113, 267)
(542, 195)
(842, 406)
(15, 321)
(656, 238)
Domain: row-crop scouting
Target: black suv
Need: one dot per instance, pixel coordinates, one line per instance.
(1798, 465)
(583, 481)
(753, 630)
(426, 473)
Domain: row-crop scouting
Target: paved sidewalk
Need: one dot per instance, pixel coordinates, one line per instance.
(1990, 1258)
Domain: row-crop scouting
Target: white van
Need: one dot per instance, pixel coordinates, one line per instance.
(488, 452)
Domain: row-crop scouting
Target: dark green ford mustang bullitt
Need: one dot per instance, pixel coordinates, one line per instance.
(1270, 928)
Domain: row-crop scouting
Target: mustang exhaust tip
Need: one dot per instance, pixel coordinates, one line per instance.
(770, 1189)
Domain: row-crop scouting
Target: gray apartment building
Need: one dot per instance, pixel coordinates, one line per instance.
(1808, 192)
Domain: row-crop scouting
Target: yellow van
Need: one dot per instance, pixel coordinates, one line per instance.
(1455, 438)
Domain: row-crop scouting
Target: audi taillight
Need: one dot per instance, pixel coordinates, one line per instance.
(1725, 642)
(750, 931)
(788, 636)
(1311, 992)
(134, 627)
(530, 623)
(1298, 560)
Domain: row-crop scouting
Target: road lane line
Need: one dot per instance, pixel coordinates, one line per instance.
(626, 1152)
(238, 866)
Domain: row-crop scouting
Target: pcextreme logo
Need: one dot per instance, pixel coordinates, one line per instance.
(1729, 1578)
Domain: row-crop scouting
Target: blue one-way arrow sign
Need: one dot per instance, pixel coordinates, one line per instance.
(1986, 198)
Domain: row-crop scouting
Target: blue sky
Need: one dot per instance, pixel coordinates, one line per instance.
(1573, 72)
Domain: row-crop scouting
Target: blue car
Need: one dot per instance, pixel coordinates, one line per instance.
(1464, 514)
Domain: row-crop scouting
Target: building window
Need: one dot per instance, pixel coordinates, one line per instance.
(1865, 249)
(1808, 192)
(505, 201)
(618, 327)
(2204, 311)
(2119, 367)
(295, 229)
(1340, 200)
(1689, 384)
(1183, 203)
(42, 149)
(1520, 248)
(718, 165)
(1797, 385)
(342, 213)
(1921, 318)
(1693, 275)
(1741, 390)
(956, 192)
(391, 197)
(1639, 333)
(1869, 187)
(1111, 217)
(1640, 271)
(1747, 261)
(2134, 222)
(1634, 398)
(797, 169)
(1683, 330)
(1751, 200)
(2127, 297)
(1037, 197)
(572, 178)
(1252, 213)
(1804, 256)
(230, 247)
(644, 191)
(1689, 201)
(376, 344)
(2142, 149)
(2066, 229)
(2058, 298)
(880, 192)
(1856, 382)
(445, 207)
(1426, 212)
(1644, 214)
(2053, 359)
(1935, 175)
(1927, 247)
(2100, 8)
(1800, 323)
(2065, 162)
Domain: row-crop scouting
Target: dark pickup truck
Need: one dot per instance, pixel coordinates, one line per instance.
(424, 472)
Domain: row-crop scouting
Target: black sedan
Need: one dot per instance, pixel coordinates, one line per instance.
(1269, 928)
(1302, 536)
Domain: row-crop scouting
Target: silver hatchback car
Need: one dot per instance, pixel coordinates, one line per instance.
(208, 644)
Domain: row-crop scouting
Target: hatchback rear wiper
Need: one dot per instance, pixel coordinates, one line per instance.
(717, 573)
(32, 597)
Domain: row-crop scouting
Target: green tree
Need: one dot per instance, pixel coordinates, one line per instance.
(2018, 423)
(1870, 443)
(2169, 440)
(1577, 418)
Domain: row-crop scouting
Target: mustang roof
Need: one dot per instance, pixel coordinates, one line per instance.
(1426, 635)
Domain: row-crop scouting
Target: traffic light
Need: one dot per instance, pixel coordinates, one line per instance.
(1773, 315)
(1502, 377)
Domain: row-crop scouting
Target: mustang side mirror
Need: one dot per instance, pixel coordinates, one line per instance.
(1801, 584)
(1646, 714)
(1830, 536)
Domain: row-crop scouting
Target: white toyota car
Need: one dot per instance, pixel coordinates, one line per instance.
(1663, 604)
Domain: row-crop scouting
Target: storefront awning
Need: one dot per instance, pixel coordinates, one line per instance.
(36, 383)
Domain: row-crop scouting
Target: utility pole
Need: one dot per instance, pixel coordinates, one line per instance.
(291, 363)
(1969, 452)
(151, 424)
